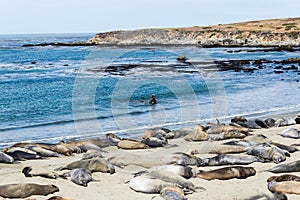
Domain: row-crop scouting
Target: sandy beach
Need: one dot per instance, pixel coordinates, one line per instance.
(115, 186)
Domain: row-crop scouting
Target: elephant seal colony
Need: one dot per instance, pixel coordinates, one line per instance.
(245, 159)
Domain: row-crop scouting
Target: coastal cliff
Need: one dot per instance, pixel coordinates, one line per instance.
(275, 32)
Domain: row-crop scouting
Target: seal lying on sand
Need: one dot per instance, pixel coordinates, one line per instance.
(92, 154)
(19, 153)
(24, 190)
(285, 177)
(291, 133)
(29, 172)
(172, 193)
(184, 171)
(94, 165)
(155, 181)
(222, 149)
(131, 144)
(112, 139)
(289, 187)
(155, 142)
(268, 153)
(184, 159)
(80, 176)
(228, 159)
(4, 158)
(289, 167)
(148, 184)
(228, 173)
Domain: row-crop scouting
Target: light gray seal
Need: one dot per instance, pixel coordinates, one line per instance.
(24, 190)
(271, 153)
(289, 167)
(230, 159)
(94, 165)
(92, 154)
(29, 172)
(4, 158)
(147, 184)
(80, 176)
(291, 133)
(184, 171)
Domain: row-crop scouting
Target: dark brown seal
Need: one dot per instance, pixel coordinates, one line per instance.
(24, 190)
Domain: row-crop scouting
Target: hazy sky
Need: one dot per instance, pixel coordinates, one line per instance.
(79, 16)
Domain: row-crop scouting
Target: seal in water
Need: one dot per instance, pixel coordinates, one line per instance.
(24, 190)
(94, 165)
(80, 176)
(228, 173)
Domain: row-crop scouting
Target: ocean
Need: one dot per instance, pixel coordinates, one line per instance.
(54, 93)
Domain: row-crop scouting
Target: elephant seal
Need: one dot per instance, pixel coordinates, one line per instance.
(24, 190)
(172, 193)
(94, 165)
(42, 151)
(4, 158)
(217, 129)
(270, 122)
(184, 171)
(22, 154)
(228, 173)
(291, 133)
(288, 148)
(148, 184)
(92, 154)
(112, 139)
(155, 142)
(29, 172)
(155, 181)
(131, 144)
(184, 159)
(80, 176)
(281, 122)
(230, 159)
(285, 177)
(97, 141)
(158, 132)
(222, 149)
(172, 178)
(268, 153)
(58, 198)
(289, 187)
(62, 149)
(198, 134)
(289, 167)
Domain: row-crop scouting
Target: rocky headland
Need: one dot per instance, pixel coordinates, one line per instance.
(263, 33)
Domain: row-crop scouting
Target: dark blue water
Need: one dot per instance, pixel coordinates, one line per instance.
(57, 93)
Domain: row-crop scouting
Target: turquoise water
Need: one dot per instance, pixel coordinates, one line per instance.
(56, 93)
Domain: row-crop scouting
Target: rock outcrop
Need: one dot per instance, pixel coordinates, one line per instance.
(276, 32)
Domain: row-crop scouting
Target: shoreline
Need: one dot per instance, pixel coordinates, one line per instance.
(115, 186)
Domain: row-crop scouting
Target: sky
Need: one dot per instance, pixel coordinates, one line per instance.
(93, 16)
